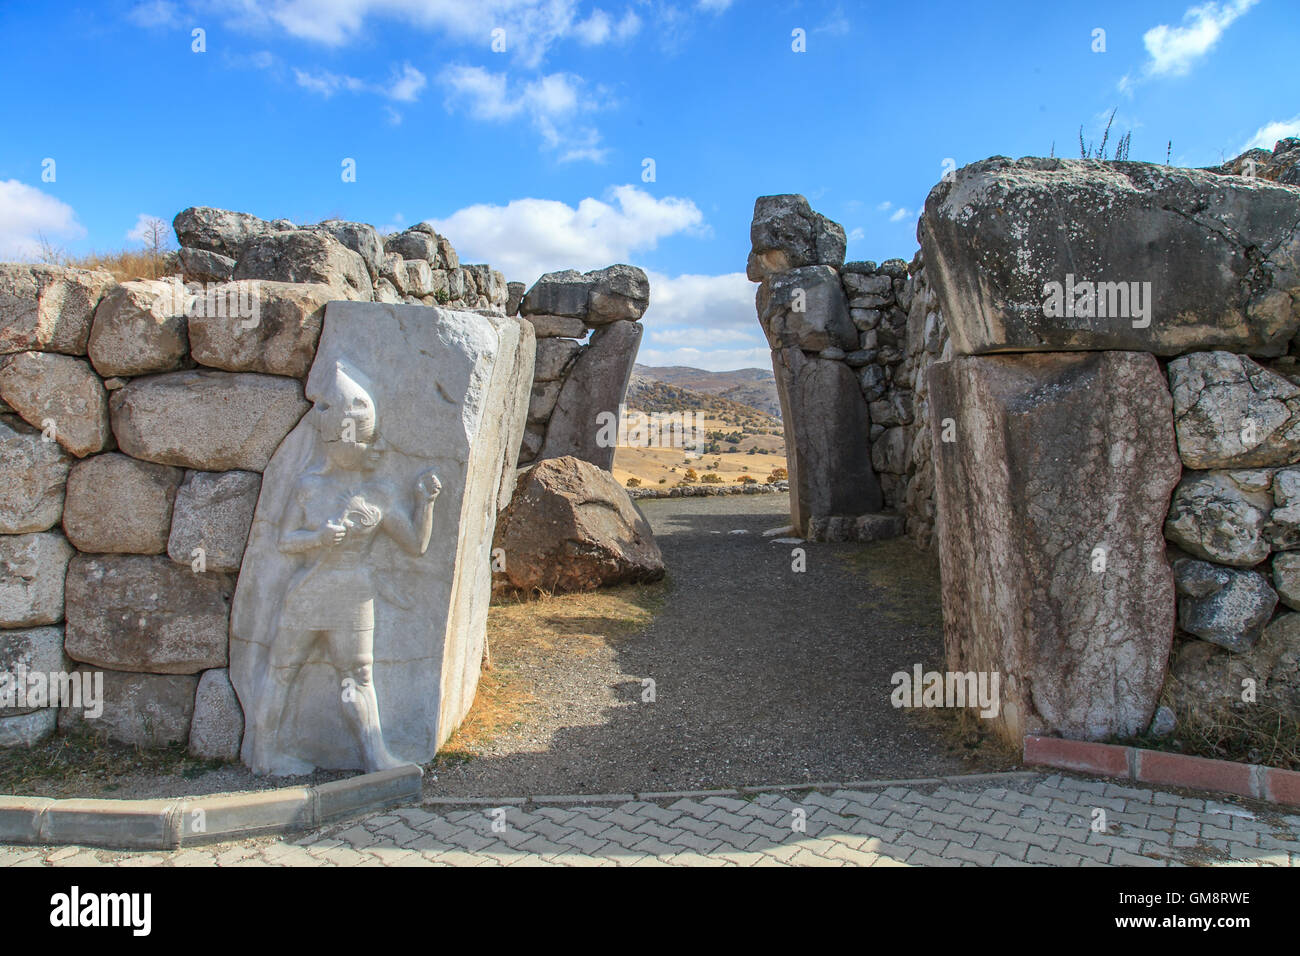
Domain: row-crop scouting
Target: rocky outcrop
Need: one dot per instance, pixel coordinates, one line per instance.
(571, 527)
(1065, 592)
(1051, 254)
(118, 505)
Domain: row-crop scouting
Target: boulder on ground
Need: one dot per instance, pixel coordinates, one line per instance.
(1052, 254)
(48, 308)
(118, 505)
(571, 527)
(27, 730)
(59, 393)
(1051, 498)
(200, 265)
(221, 231)
(143, 613)
(212, 515)
(32, 569)
(205, 419)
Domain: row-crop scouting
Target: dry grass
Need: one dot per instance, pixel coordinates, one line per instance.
(1260, 733)
(126, 264)
(546, 625)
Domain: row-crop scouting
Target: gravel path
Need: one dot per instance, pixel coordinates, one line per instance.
(762, 674)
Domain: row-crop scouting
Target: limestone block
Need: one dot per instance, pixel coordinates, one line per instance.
(32, 568)
(218, 725)
(205, 419)
(1215, 518)
(1051, 499)
(553, 357)
(436, 400)
(301, 255)
(221, 231)
(551, 326)
(200, 265)
(274, 330)
(1225, 606)
(118, 505)
(48, 308)
(143, 613)
(59, 393)
(805, 308)
(140, 328)
(212, 517)
(24, 653)
(786, 233)
(27, 730)
(141, 710)
(1231, 412)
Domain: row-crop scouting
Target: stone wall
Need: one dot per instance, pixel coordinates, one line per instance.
(136, 422)
(579, 385)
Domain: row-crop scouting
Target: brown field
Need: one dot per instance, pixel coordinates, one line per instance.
(665, 467)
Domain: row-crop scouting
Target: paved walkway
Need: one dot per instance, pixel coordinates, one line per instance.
(997, 820)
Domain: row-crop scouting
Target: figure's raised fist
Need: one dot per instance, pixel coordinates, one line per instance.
(429, 485)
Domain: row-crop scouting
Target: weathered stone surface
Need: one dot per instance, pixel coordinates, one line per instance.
(142, 710)
(533, 437)
(786, 233)
(140, 328)
(542, 401)
(1231, 412)
(585, 419)
(118, 505)
(863, 528)
(1286, 578)
(33, 473)
(361, 238)
(48, 308)
(618, 292)
(206, 420)
(280, 339)
(27, 730)
(1056, 456)
(221, 231)
(301, 255)
(1225, 606)
(218, 725)
(32, 567)
(1221, 256)
(1203, 677)
(413, 245)
(46, 389)
(143, 613)
(433, 391)
(805, 308)
(37, 650)
(571, 527)
(553, 357)
(1280, 166)
(826, 434)
(514, 295)
(200, 265)
(213, 512)
(1214, 518)
(419, 277)
(1283, 527)
(553, 326)
(558, 294)
(889, 452)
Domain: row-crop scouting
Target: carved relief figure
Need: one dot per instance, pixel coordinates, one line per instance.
(330, 523)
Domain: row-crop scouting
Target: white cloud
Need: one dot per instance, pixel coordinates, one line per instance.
(404, 87)
(856, 234)
(600, 28)
(1174, 50)
(703, 321)
(885, 205)
(714, 6)
(712, 360)
(27, 215)
(527, 237)
(154, 14)
(1266, 137)
(553, 104)
(901, 213)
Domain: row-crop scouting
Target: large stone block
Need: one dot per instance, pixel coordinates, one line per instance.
(1215, 259)
(213, 512)
(1051, 499)
(24, 653)
(205, 419)
(140, 328)
(27, 730)
(141, 710)
(221, 231)
(786, 233)
(571, 527)
(144, 613)
(828, 452)
(585, 418)
(805, 308)
(1214, 517)
(381, 545)
(279, 339)
(558, 294)
(48, 308)
(553, 357)
(218, 725)
(118, 505)
(32, 568)
(361, 238)
(59, 393)
(1231, 412)
(301, 255)
(33, 473)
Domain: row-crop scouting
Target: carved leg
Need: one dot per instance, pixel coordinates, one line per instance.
(360, 702)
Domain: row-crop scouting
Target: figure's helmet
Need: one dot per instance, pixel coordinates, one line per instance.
(344, 409)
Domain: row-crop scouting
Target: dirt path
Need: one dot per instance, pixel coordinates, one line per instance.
(761, 674)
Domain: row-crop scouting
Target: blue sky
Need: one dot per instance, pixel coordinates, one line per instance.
(532, 157)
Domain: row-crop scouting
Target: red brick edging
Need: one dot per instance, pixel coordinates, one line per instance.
(1166, 769)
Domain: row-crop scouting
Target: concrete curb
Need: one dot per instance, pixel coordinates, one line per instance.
(191, 821)
(1156, 767)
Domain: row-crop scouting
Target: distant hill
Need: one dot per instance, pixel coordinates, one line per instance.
(754, 387)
